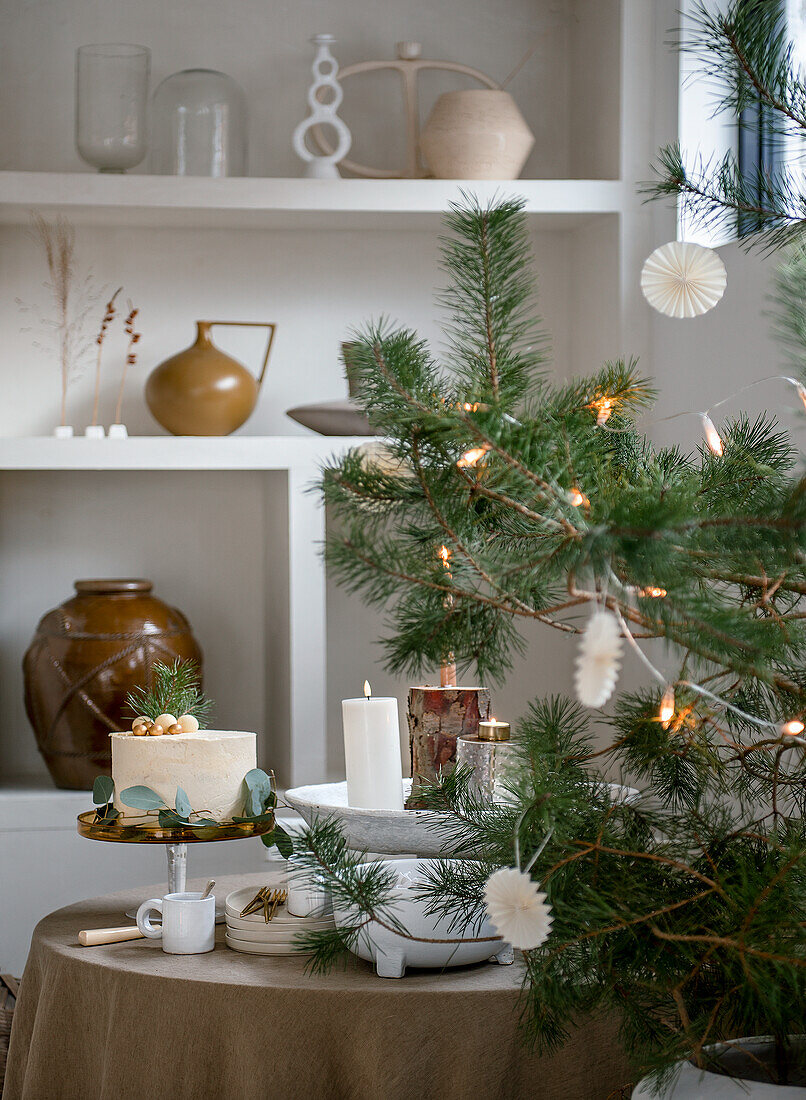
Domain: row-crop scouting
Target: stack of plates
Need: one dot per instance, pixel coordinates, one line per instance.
(254, 936)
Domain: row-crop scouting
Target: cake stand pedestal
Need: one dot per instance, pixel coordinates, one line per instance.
(175, 841)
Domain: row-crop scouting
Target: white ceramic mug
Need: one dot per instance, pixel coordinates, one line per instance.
(188, 922)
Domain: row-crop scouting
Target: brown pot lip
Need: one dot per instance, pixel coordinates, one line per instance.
(109, 587)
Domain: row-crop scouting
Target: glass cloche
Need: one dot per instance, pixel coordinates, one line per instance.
(199, 125)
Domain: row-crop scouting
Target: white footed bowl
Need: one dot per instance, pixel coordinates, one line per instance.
(388, 832)
(392, 953)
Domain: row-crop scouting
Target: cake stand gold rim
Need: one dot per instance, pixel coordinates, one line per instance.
(91, 829)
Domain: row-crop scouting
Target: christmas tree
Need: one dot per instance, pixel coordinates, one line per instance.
(681, 911)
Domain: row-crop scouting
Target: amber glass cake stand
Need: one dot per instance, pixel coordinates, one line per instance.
(175, 839)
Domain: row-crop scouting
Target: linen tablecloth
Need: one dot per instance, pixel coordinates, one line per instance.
(128, 1022)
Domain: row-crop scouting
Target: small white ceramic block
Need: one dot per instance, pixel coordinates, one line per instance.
(118, 431)
(94, 431)
(63, 431)
(307, 895)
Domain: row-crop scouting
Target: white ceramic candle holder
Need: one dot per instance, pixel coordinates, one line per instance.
(323, 113)
(63, 431)
(118, 431)
(94, 431)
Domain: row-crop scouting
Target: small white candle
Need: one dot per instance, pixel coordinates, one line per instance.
(372, 752)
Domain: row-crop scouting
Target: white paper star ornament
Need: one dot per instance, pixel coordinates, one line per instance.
(683, 280)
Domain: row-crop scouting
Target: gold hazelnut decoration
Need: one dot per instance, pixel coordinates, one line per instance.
(140, 730)
(174, 729)
(188, 722)
(156, 730)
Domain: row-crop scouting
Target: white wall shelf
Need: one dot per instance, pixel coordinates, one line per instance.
(239, 452)
(160, 201)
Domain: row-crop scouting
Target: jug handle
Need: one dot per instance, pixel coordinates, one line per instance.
(270, 325)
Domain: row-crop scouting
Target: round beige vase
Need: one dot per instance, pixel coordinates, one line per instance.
(476, 135)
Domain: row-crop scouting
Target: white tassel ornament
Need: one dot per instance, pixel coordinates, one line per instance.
(599, 659)
(683, 280)
(517, 908)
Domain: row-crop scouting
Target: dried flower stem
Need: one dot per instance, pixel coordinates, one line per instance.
(131, 357)
(58, 242)
(108, 318)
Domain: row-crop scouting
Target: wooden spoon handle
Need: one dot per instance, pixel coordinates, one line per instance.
(92, 937)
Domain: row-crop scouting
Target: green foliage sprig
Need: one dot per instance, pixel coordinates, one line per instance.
(175, 689)
(746, 53)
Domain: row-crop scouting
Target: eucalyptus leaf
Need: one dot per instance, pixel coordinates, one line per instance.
(102, 790)
(183, 806)
(142, 798)
(170, 819)
(254, 803)
(279, 837)
(255, 818)
(257, 779)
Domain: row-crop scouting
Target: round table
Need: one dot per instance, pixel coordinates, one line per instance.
(126, 1022)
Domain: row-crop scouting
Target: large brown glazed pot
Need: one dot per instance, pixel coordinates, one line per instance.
(85, 656)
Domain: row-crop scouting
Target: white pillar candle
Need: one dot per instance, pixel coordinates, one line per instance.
(372, 752)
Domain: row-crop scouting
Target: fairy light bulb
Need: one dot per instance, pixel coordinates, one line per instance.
(793, 727)
(712, 437)
(604, 407)
(654, 592)
(471, 457)
(577, 497)
(666, 713)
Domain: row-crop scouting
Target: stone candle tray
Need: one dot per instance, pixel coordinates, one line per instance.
(388, 832)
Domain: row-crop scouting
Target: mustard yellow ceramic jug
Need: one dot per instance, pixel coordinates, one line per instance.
(203, 391)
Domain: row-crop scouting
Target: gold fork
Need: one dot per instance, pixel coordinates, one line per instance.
(256, 902)
(278, 898)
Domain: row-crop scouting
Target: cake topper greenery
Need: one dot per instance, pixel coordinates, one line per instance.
(173, 703)
(680, 911)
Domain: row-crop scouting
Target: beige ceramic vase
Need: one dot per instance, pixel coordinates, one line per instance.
(202, 390)
(476, 135)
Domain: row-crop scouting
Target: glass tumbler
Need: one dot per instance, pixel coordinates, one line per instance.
(111, 105)
(199, 125)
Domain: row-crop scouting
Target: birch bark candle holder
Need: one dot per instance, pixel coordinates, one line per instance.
(437, 716)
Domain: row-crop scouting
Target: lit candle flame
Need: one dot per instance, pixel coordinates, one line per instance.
(654, 592)
(793, 727)
(666, 713)
(801, 392)
(712, 437)
(444, 553)
(577, 497)
(474, 455)
(367, 690)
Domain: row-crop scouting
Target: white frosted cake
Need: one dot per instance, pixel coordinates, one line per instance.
(209, 765)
